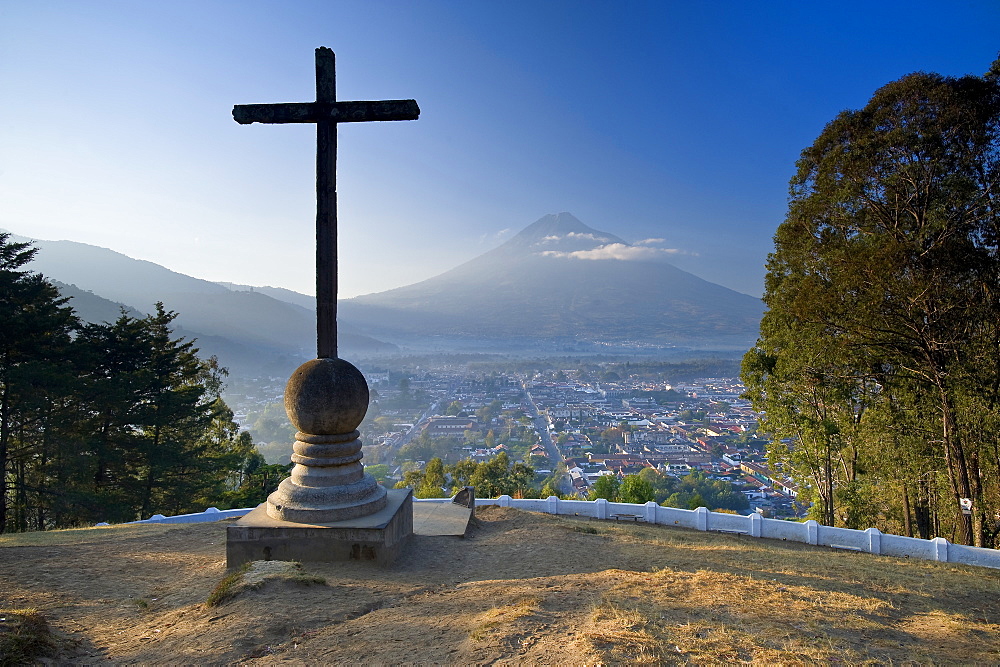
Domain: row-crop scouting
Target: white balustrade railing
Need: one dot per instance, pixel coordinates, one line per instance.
(808, 532)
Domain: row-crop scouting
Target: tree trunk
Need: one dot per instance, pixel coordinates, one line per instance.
(4, 439)
(147, 492)
(21, 496)
(907, 522)
(958, 474)
(922, 511)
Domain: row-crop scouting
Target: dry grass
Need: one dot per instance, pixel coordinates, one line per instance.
(626, 634)
(24, 637)
(522, 588)
(498, 616)
(93, 534)
(732, 599)
(253, 575)
(228, 587)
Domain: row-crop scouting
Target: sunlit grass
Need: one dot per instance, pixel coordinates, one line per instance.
(503, 614)
(24, 637)
(68, 536)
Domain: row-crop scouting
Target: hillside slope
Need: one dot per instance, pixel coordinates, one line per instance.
(559, 278)
(249, 330)
(521, 588)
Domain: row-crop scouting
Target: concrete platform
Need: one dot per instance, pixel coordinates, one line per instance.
(440, 519)
(377, 537)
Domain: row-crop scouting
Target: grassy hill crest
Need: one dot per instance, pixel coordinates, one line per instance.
(522, 587)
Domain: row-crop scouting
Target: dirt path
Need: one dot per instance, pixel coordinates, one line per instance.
(521, 588)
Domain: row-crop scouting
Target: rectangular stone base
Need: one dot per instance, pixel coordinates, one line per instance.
(378, 537)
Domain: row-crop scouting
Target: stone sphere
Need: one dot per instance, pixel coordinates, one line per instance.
(326, 397)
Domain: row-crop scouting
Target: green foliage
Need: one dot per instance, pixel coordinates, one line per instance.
(433, 482)
(697, 490)
(36, 382)
(259, 480)
(605, 487)
(499, 476)
(690, 416)
(411, 479)
(663, 485)
(279, 453)
(489, 412)
(146, 407)
(492, 478)
(610, 437)
(272, 425)
(110, 421)
(636, 489)
(877, 362)
(424, 448)
(549, 490)
(461, 473)
(696, 501)
(552, 483)
(380, 471)
(663, 397)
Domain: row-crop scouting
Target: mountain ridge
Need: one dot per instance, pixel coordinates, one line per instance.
(561, 279)
(557, 282)
(249, 331)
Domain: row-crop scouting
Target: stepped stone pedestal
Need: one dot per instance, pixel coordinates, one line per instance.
(329, 509)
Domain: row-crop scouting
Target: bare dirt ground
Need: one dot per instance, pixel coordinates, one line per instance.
(521, 588)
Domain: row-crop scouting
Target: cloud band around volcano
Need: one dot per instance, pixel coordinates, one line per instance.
(619, 251)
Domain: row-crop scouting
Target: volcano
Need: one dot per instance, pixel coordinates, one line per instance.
(559, 279)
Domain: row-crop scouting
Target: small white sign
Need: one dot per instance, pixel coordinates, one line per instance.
(966, 505)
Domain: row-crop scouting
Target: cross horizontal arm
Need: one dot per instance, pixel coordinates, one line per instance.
(338, 112)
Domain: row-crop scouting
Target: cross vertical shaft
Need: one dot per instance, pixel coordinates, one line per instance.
(326, 209)
(326, 112)
(327, 398)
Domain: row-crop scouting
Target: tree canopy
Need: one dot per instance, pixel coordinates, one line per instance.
(108, 422)
(878, 362)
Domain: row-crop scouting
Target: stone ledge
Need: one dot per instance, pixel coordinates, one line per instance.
(378, 537)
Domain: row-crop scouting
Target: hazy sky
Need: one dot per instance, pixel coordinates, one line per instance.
(674, 120)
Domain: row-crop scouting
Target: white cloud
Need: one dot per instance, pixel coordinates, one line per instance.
(649, 242)
(610, 251)
(493, 238)
(586, 235)
(572, 235)
(619, 251)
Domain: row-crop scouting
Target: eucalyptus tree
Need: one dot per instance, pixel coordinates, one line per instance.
(883, 282)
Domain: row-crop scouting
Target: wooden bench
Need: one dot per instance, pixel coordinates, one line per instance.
(628, 517)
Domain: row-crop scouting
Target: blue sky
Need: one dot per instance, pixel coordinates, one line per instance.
(671, 120)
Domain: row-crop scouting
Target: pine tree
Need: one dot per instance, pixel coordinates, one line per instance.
(34, 336)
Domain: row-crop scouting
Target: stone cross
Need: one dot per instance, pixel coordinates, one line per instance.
(326, 112)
